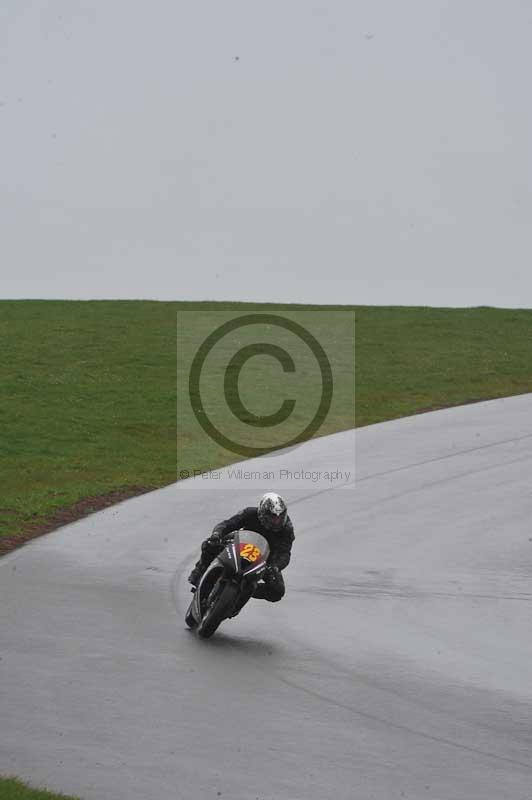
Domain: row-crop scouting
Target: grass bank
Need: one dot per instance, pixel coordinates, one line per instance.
(88, 392)
(12, 789)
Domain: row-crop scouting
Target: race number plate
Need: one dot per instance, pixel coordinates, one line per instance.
(249, 551)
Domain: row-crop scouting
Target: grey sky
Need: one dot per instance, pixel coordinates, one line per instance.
(357, 152)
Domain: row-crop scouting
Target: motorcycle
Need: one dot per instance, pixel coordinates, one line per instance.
(228, 582)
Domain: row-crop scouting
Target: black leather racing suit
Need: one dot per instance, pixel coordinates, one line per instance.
(280, 543)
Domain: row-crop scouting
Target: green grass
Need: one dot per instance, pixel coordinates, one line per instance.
(12, 789)
(88, 389)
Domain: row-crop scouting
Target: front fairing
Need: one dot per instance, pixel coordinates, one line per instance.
(246, 554)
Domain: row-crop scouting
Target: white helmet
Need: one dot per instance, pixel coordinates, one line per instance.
(272, 511)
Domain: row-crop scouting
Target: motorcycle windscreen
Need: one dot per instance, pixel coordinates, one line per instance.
(253, 550)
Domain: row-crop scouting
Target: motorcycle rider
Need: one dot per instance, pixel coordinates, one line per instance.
(270, 519)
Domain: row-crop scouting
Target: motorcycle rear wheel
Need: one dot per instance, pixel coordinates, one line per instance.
(190, 618)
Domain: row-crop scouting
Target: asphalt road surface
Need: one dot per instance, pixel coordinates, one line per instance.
(399, 664)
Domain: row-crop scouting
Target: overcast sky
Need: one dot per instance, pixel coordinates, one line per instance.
(372, 151)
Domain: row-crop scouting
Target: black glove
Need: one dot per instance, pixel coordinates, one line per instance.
(213, 544)
(271, 573)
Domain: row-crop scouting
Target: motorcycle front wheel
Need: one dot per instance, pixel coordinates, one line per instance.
(220, 610)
